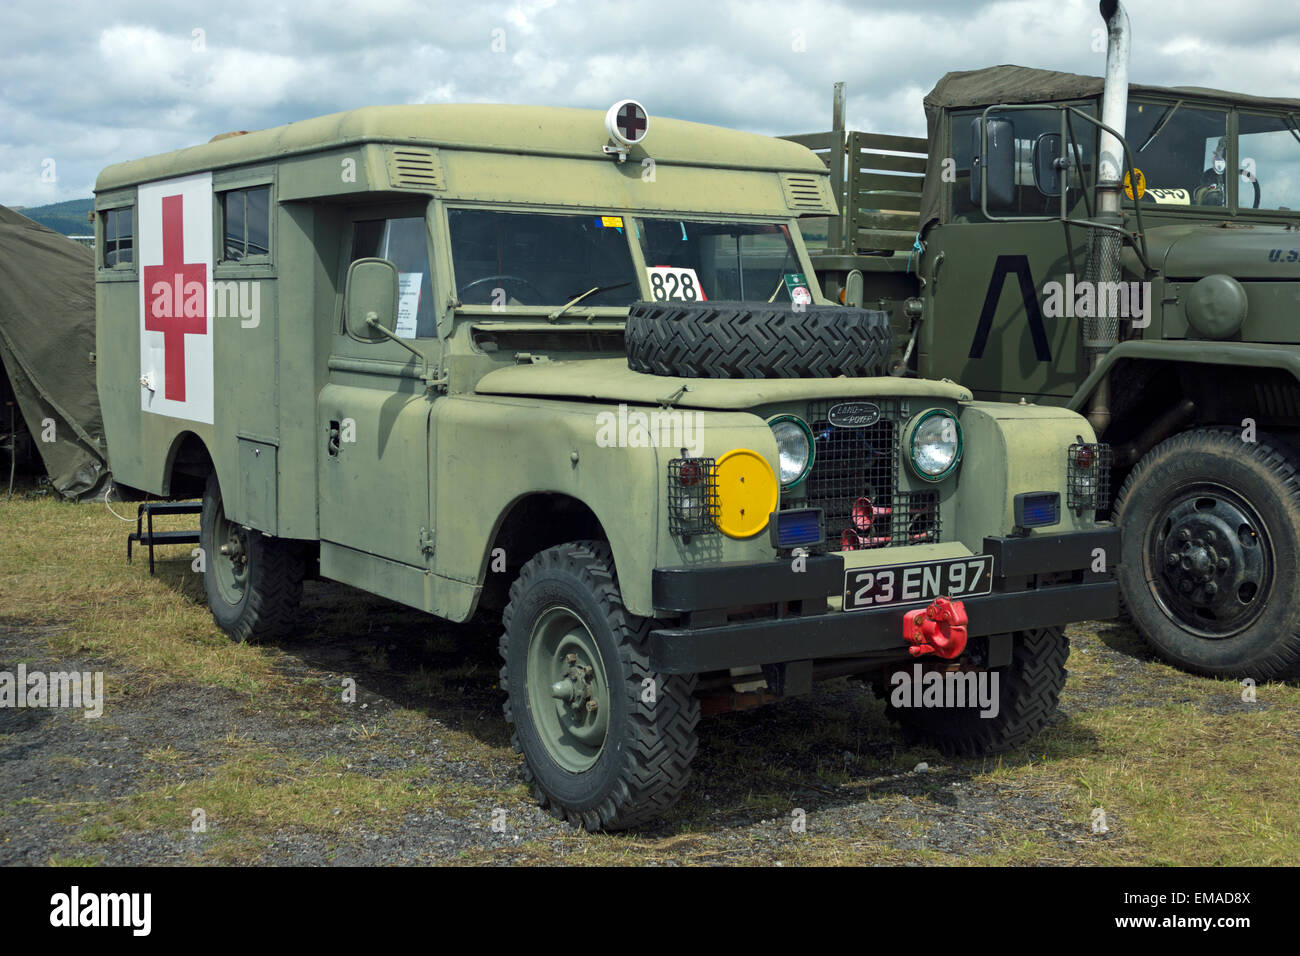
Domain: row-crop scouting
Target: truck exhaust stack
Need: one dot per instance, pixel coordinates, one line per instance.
(1101, 334)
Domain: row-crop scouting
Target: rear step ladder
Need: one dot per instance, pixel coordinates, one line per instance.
(149, 537)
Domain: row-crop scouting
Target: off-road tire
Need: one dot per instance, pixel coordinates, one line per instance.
(744, 340)
(1029, 690)
(1266, 480)
(644, 763)
(268, 607)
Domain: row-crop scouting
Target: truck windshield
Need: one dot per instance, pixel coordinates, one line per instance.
(1269, 151)
(513, 258)
(732, 261)
(1181, 151)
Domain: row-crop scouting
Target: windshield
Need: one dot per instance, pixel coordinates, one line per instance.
(1269, 147)
(512, 258)
(729, 260)
(1181, 151)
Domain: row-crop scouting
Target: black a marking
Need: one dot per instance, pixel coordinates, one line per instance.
(1004, 266)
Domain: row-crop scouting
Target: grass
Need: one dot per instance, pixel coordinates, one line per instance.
(1184, 770)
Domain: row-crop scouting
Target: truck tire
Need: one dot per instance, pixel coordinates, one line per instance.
(744, 340)
(1028, 691)
(607, 742)
(1211, 554)
(254, 585)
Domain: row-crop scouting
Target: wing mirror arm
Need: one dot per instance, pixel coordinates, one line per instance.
(429, 379)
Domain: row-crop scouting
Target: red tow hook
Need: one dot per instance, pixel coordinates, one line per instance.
(938, 629)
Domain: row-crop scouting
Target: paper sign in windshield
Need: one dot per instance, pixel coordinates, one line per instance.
(408, 302)
(797, 288)
(670, 284)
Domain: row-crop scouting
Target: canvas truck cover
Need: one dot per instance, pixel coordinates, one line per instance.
(1022, 84)
(47, 335)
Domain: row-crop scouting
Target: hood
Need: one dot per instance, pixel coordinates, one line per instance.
(610, 380)
(1241, 250)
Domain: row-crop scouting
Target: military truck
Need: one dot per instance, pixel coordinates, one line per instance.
(1129, 252)
(563, 368)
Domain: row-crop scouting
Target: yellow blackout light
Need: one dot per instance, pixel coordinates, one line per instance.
(748, 492)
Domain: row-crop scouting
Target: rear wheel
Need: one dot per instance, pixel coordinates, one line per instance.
(1211, 554)
(607, 742)
(1020, 700)
(253, 583)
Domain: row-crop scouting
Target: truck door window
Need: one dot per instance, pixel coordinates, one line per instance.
(514, 258)
(1269, 155)
(741, 262)
(1028, 126)
(1176, 147)
(402, 242)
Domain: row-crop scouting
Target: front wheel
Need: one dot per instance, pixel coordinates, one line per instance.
(607, 742)
(970, 713)
(1211, 554)
(253, 583)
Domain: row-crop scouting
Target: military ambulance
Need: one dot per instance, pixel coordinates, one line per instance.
(569, 367)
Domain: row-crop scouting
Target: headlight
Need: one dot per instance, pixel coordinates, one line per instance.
(936, 445)
(794, 446)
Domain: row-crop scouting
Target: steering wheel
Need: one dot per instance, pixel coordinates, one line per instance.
(1254, 181)
(499, 279)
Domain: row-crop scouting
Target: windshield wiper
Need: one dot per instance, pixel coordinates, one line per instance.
(1161, 123)
(578, 298)
(1291, 126)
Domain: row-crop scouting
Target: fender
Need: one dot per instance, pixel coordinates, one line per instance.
(1198, 352)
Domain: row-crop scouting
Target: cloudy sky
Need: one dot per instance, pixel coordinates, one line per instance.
(86, 84)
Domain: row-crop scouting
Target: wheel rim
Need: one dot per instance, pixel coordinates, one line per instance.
(230, 563)
(1210, 561)
(567, 689)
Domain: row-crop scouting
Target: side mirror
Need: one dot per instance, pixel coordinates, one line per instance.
(370, 293)
(1047, 164)
(999, 164)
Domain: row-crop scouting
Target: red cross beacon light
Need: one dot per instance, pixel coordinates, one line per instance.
(627, 124)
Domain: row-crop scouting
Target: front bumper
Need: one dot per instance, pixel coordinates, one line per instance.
(1039, 581)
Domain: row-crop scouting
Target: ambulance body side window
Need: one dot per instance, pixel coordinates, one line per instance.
(246, 224)
(402, 242)
(118, 237)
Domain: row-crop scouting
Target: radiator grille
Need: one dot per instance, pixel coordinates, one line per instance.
(854, 480)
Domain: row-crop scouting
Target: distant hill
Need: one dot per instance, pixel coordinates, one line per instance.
(69, 218)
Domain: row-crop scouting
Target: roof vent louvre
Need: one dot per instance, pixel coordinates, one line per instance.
(804, 192)
(411, 168)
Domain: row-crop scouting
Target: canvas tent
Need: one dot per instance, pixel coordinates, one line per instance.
(47, 341)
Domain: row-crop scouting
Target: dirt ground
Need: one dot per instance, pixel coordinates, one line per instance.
(214, 753)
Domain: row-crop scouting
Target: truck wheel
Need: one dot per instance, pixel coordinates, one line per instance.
(607, 742)
(1027, 691)
(1211, 554)
(253, 583)
(744, 340)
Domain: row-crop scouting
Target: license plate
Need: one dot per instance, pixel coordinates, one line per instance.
(917, 583)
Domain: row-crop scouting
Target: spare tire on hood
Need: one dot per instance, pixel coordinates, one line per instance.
(748, 340)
